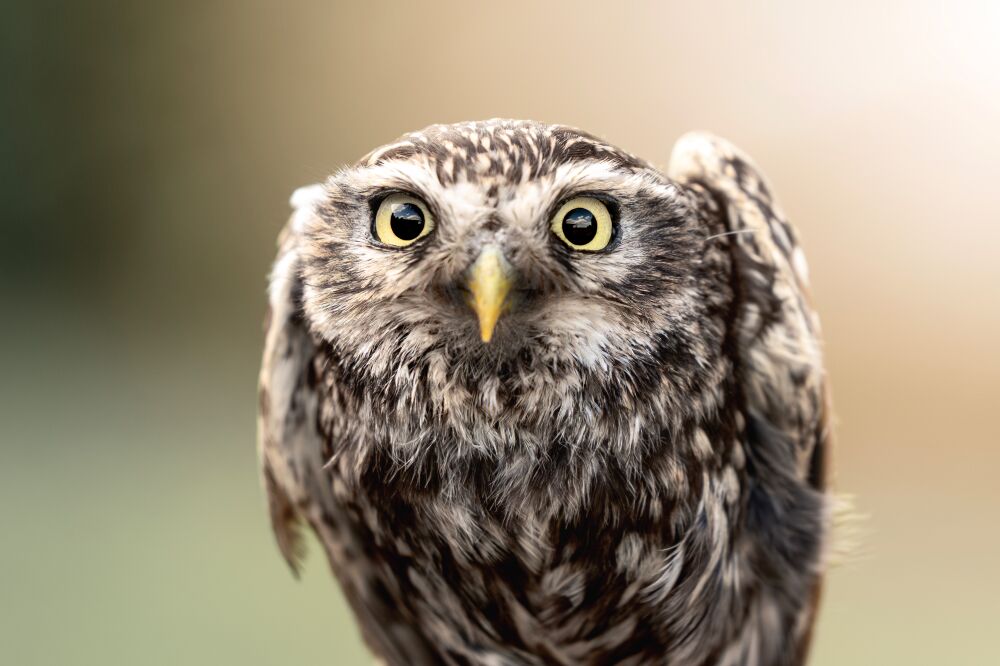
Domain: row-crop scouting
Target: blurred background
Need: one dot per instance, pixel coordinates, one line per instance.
(147, 151)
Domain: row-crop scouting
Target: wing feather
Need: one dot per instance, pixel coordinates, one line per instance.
(779, 355)
(779, 368)
(286, 421)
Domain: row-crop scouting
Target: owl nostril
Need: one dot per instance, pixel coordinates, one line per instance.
(491, 224)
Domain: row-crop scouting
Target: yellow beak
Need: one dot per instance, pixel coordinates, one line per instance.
(489, 283)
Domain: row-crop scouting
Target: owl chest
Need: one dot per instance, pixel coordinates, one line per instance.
(542, 562)
(588, 590)
(481, 587)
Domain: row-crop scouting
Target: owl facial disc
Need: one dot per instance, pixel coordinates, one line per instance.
(489, 284)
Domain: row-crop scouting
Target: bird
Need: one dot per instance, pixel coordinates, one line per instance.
(541, 402)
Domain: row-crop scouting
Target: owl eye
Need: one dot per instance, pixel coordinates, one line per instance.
(401, 220)
(583, 223)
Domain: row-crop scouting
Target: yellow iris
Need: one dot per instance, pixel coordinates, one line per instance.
(402, 220)
(583, 223)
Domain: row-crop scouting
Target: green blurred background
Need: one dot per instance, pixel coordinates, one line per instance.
(148, 151)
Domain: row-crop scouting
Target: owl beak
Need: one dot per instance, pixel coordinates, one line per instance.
(489, 284)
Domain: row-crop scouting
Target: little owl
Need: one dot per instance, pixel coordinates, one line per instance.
(544, 404)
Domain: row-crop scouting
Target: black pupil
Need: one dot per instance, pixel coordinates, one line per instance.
(407, 221)
(579, 226)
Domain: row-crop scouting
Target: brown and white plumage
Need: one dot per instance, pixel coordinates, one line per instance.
(632, 470)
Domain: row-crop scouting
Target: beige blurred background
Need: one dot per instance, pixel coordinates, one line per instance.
(147, 156)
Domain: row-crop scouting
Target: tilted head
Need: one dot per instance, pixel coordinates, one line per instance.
(502, 262)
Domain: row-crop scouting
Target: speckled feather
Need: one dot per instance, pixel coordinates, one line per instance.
(632, 471)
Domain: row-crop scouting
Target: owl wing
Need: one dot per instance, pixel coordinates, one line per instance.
(286, 420)
(779, 369)
(779, 360)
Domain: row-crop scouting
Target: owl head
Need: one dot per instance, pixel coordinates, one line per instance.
(525, 310)
(490, 248)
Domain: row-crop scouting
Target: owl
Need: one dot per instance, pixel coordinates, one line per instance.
(542, 403)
